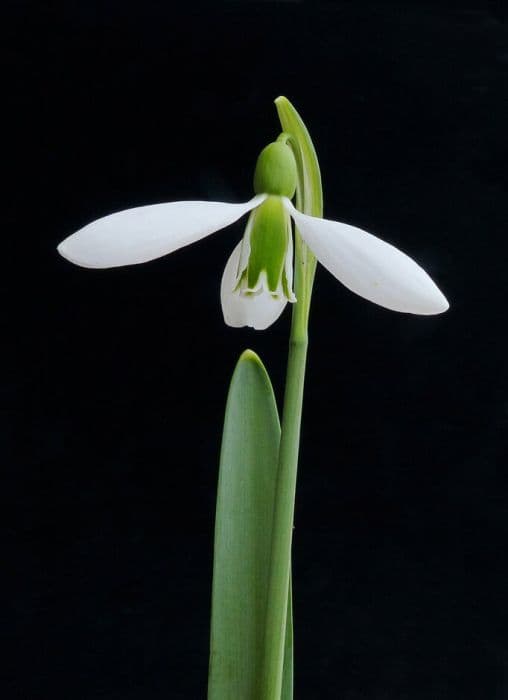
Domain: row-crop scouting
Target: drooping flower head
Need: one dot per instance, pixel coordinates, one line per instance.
(257, 282)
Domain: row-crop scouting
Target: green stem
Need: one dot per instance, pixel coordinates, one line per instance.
(308, 199)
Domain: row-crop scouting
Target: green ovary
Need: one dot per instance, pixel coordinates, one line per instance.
(276, 171)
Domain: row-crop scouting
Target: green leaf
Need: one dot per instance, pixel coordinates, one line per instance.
(287, 670)
(243, 529)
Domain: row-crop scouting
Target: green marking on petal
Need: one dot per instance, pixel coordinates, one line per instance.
(286, 288)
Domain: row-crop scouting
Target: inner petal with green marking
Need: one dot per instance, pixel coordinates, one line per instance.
(266, 260)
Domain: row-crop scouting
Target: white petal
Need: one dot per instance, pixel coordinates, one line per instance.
(258, 311)
(369, 266)
(144, 233)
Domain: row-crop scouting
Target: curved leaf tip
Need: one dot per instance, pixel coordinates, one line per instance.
(250, 356)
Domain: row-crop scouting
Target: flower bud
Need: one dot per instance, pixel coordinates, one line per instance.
(275, 171)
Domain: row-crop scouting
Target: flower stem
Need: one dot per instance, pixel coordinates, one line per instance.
(308, 199)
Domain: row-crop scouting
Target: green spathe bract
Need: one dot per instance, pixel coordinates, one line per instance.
(276, 171)
(243, 534)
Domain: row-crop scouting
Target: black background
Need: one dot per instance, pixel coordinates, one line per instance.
(114, 382)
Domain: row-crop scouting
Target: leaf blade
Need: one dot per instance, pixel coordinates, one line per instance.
(246, 490)
(287, 668)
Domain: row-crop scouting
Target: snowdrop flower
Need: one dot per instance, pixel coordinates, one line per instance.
(257, 282)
